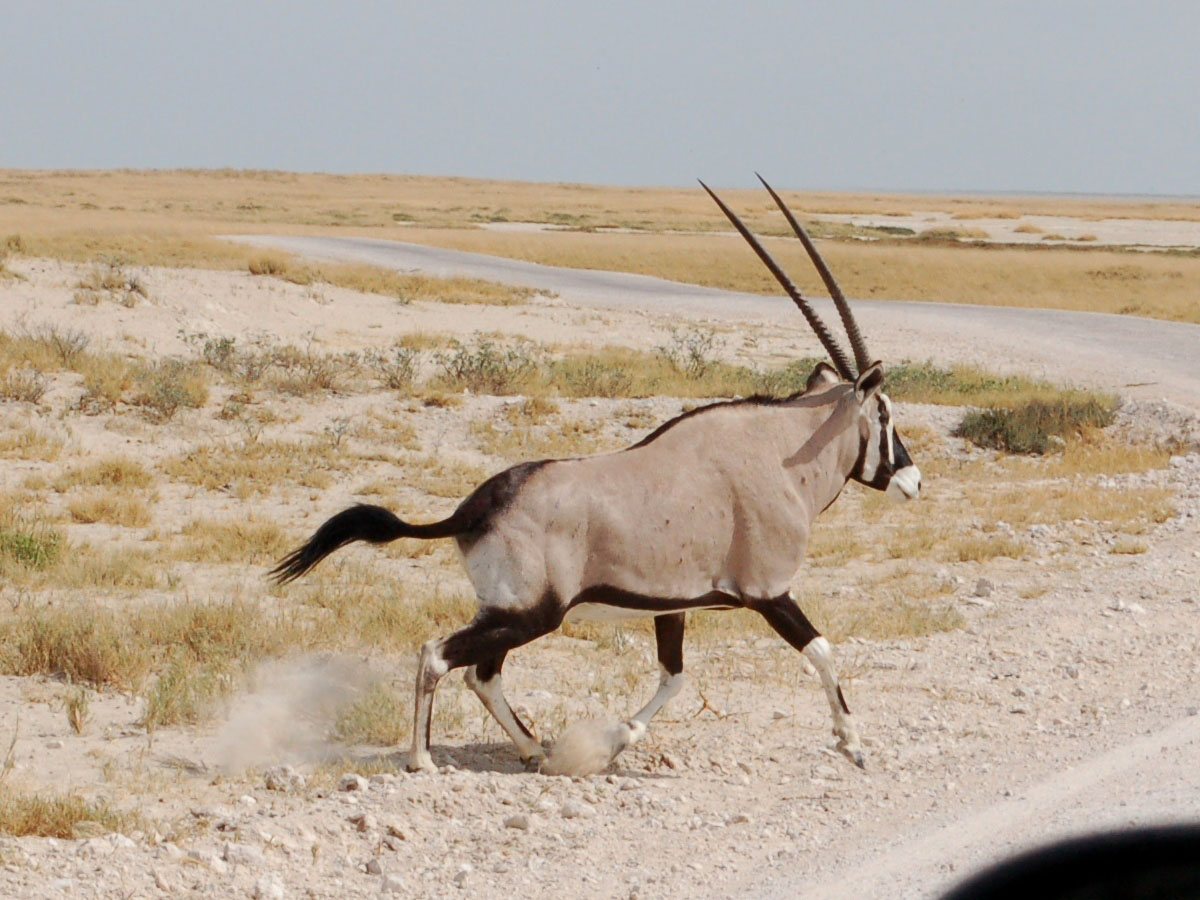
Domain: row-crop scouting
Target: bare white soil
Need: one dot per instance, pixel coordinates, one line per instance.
(1068, 701)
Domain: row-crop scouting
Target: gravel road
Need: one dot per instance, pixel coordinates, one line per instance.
(1142, 358)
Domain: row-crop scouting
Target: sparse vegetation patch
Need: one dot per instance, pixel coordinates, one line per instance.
(1036, 426)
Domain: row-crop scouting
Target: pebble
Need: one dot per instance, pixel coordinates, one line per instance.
(519, 821)
(395, 829)
(352, 782)
(983, 588)
(284, 778)
(268, 887)
(573, 809)
(373, 866)
(243, 855)
(391, 884)
(363, 821)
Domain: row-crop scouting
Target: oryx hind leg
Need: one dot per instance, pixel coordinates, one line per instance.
(491, 634)
(668, 634)
(785, 616)
(484, 680)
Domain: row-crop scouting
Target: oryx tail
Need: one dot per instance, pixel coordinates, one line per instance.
(363, 522)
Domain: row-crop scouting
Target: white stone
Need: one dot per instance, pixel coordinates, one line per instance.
(243, 855)
(268, 887)
(284, 778)
(391, 884)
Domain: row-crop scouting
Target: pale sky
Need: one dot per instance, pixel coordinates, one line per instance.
(1094, 97)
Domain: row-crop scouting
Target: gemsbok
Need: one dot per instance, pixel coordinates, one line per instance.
(712, 510)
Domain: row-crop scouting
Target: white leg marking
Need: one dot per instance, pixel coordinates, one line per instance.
(491, 694)
(668, 686)
(820, 654)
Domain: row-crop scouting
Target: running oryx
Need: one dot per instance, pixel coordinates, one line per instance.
(712, 510)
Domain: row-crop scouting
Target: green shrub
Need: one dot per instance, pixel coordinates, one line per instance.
(396, 366)
(29, 546)
(1036, 426)
(485, 368)
(169, 385)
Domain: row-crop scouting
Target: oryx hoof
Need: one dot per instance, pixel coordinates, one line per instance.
(852, 752)
(420, 763)
(533, 762)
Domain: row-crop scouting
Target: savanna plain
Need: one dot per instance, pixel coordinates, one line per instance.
(177, 411)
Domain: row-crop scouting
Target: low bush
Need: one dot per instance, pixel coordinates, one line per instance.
(483, 367)
(1036, 426)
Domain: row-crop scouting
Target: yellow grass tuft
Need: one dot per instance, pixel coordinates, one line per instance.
(30, 443)
(111, 507)
(242, 540)
(58, 816)
(109, 472)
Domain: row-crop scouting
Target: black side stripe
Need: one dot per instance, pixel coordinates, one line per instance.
(622, 599)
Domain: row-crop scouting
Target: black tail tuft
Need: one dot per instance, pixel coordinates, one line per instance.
(358, 523)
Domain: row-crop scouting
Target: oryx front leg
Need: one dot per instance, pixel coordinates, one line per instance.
(668, 633)
(484, 680)
(785, 616)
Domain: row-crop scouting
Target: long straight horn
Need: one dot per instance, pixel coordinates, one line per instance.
(823, 334)
(857, 344)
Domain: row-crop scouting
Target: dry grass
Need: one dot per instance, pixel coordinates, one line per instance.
(111, 507)
(1129, 546)
(36, 556)
(247, 539)
(256, 467)
(113, 282)
(1147, 284)
(164, 387)
(445, 476)
(29, 442)
(1093, 455)
(380, 715)
(404, 286)
(58, 816)
(27, 543)
(1132, 510)
(558, 440)
(110, 472)
(43, 349)
(884, 615)
(97, 203)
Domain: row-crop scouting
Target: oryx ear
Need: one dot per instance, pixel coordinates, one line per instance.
(822, 376)
(868, 382)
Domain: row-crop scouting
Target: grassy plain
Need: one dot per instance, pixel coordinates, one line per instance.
(172, 217)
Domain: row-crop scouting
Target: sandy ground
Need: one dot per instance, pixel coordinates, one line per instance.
(1067, 702)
